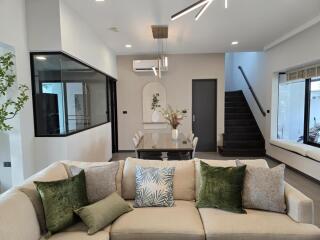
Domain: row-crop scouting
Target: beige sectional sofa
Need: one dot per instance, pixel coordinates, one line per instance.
(184, 221)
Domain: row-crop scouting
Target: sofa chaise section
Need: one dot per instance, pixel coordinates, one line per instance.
(262, 225)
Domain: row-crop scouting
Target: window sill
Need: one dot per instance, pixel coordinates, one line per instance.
(298, 148)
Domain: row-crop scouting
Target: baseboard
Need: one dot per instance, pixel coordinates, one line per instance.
(294, 169)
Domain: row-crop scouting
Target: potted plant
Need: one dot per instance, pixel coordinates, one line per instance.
(9, 106)
(154, 107)
(174, 118)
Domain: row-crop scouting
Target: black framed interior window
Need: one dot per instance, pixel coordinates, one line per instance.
(299, 110)
(312, 113)
(68, 96)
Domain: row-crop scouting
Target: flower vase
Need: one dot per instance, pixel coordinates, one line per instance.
(155, 117)
(174, 134)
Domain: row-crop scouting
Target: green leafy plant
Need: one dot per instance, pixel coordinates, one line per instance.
(155, 101)
(9, 106)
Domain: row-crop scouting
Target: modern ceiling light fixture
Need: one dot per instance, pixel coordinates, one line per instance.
(203, 10)
(235, 43)
(202, 3)
(128, 46)
(155, 71)
(225, 3)
(160, 34)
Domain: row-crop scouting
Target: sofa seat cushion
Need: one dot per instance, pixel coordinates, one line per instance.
(169, 223)
(79, 231)
(255, 225)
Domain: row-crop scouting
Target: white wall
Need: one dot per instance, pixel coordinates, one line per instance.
(303, 48)
(88, 146)
(52, 26)
(43, 22)
(13, 32)
(78, 40)
(178, 83)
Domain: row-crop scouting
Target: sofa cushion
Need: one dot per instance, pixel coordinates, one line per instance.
(263, 188)
(221, 187)
(181, 222)
(60, 199)
(85, 165)
(100, 180)
(101, 214)
(219, 224)
(183, 180)
(79, 231)
(18, 219)
(223, 163)
(154, 187)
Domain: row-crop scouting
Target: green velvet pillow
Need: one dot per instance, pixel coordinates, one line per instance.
(100, 214)
(221, 188)
(60, 198)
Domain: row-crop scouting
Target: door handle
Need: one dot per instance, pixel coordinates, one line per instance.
(193, 118)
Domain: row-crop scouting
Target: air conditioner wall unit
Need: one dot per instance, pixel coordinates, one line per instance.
(147, 65)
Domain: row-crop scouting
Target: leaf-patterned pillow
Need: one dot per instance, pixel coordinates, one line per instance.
(154, 187)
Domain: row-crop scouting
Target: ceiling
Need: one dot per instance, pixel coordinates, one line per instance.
(254, 23)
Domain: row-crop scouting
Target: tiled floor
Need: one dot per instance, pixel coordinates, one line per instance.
(307, 186)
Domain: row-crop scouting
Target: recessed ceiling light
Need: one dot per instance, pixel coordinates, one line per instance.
(235, 43)
(41, 58)
(128, 46)
(99, 0)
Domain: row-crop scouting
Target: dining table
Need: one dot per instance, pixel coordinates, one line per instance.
(159, 142)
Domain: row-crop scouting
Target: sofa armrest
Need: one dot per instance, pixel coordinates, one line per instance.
(18, 220)
(299, 207)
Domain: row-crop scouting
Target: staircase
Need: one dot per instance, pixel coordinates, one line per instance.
(242, 135)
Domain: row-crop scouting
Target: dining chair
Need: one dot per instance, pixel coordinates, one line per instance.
(194, 145)
(136, 135)
(135, 145)
(190, 136)
(140, 133)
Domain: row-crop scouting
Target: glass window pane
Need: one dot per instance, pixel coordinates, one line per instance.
(48, 95)
(69, 96)
(314, 117)
(291, 111)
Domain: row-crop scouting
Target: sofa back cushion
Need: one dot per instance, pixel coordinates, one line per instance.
(223, 163)
(18, 220)
(56, 171)
(183, 180)
(85, 165)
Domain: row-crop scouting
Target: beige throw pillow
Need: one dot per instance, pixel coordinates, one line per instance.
(100, 180)
(264, 188)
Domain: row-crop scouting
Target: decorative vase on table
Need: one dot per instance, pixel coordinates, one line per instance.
(174, 118)
(175, 134)
(155, 117)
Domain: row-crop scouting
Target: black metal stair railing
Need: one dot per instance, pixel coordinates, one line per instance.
(252, 91)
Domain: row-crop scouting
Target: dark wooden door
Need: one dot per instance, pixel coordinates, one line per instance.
(204, 113)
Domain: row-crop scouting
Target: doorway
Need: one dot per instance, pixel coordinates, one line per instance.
(112, 111)
(204, 113)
